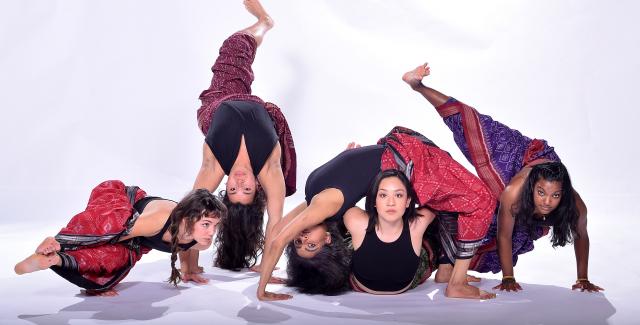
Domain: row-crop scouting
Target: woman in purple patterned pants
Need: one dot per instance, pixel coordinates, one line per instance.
(526, 176)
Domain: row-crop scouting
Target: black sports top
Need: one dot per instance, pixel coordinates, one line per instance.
(231, 121)
(351, 172)
(384, 266)
(156, 241)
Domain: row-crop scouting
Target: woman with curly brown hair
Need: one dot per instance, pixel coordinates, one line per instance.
(100, 245)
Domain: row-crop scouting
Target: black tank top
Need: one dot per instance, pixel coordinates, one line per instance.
(351, 172)
(156, 241)
(384, 266)
(231, 121)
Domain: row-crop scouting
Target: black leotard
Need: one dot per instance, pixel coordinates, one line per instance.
(351, 172)
(231, 121)
(384, 266)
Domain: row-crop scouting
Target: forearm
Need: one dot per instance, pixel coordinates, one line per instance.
(210, 174)
(272, 252)
(191, 260)
(274, 187)
(183, 256)
(206, 179)
(581, 243)
(581, 248)
(506, 223)
(275, 206)
(505, 252)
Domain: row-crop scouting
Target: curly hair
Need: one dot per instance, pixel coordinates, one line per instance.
(564, 217)
(193, 207)
(370, 202)
(327, 272)
(240, 237)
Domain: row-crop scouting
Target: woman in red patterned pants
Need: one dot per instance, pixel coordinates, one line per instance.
(100, 245)
(249, 141)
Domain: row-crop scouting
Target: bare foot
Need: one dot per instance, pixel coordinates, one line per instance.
(198, 270)
(255, 8)
(414, 77)
(49, 245)
(107, 293)
(36, 262)
(193, 277)
(443, 275)
(467, 291)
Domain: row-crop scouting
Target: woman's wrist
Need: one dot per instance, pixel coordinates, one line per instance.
(508, 279)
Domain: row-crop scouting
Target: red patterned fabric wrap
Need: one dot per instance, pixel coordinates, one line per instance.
(91, 256)
(442, 184)
(106, 213)
(232, 79)
(108, 264)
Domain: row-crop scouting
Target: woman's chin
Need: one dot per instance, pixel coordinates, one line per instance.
(205, 244)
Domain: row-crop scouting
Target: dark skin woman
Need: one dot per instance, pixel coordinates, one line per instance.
(337, 185)
(390, 207)
(534, 191)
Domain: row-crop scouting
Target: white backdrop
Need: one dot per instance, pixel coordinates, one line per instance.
(95, 90)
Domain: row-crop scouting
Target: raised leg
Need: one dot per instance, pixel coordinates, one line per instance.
(414, 79)
(232, 73)
(264, 23)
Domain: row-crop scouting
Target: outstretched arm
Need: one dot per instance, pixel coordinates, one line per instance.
(272, 181)
(581, 248)
(211, 173)
(209, 177)
(506, 223)
(322, 206)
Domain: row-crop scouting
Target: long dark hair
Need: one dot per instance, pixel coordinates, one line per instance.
(240, 238)
(327, 272)
(370, 202)
(193, 207)
(564, 217)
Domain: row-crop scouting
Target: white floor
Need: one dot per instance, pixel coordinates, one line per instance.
(546, 275)
(78, 76)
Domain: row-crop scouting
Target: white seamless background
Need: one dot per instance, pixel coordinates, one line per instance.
(96, 90)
